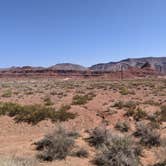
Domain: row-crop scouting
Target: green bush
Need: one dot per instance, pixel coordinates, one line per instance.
(7, 93)
(124, 91)
(63, 115)
(82, 99)
(33, 114)
(10, 109)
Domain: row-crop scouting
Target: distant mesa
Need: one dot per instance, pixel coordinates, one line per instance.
(68, 66)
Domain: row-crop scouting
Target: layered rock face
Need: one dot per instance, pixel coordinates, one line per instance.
(158, 64)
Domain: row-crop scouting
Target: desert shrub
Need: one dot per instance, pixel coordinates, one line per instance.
(119, 104)
(10, 109)
(130, 104)
(13, 161)
(120, 152)
(47, 101)
(130, 112)
(7, 93)
(154, 117)
(140, 129)
(82, 99)
(122, 126)
(33, 114)
(55, 146)
(151, 102)
(160, 163)
(81, 152)
(148, 136)
(98, 137)
(124, 90)
(154, 124)
(137, 113)
(63, 115)
(163, 113)
(159, 116)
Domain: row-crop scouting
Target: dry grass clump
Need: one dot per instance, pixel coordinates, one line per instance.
(158, 117)
(137, 113)
(151, 102)
(122, 126)
(56, 146)
(81, 152)
(98, 137)
(148, 136)
(121, 151)
(33, 114)
(13, 161)
(129, 104)
(113, 150)
(162, 113)
(160, 163)
(119, 104)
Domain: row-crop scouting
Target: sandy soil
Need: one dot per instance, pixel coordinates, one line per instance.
(17, 138)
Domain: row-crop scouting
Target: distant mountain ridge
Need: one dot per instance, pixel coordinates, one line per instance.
(156, 63)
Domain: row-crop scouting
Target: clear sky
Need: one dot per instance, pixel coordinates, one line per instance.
(46, 32)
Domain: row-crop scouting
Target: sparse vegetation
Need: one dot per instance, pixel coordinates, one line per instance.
(56, 146)
(108, 108)
(33, 114)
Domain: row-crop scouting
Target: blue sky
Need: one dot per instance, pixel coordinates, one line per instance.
(46, 32)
